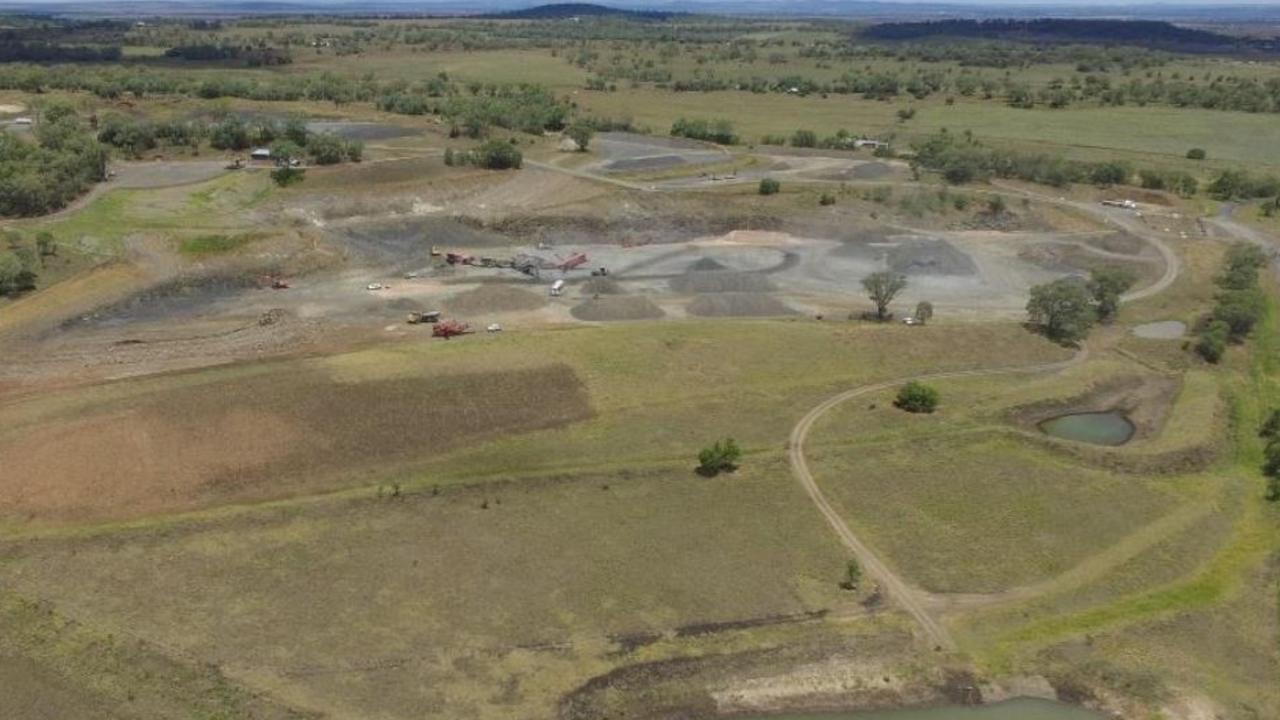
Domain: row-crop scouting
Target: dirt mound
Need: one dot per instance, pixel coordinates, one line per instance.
(601, 286)
(494, 299)
(706, 264)
(738, 304)
(617, 307)
(722, 281)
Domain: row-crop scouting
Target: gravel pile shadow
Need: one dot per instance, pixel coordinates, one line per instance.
(722, 281)
(705, 264)
(185, 296)
(611, 308)
(601, 286)
(494, 299)
(738, 304)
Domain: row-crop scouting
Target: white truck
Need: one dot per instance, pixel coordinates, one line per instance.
(557, 288)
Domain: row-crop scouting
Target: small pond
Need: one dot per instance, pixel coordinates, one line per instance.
(1021, 709)
(1097, 428)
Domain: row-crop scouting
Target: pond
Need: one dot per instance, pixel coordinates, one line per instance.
(1020, 709)
(1097, 428)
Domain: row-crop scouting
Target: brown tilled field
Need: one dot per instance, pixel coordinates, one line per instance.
(264, 436)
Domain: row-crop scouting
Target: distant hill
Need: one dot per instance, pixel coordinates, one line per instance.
(1143, 33)
(564, 11)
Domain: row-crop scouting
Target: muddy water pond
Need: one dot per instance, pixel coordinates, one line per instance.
(1021, 709)
(1097, 428)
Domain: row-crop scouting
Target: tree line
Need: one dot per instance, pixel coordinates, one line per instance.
(42, 176)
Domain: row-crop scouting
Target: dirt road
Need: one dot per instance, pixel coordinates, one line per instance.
(910, 598)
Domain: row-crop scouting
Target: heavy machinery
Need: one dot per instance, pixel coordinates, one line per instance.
(449, 328)
(418, 318)
(274, 281)
(571, 262)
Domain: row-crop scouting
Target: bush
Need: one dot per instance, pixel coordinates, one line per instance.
(1213, 341)
(285, 176)
(804, 139)
(581, 133)
(827, 199)
(1197, 154)
(721, 457)
(852, 575)
(769, 186)
(716, 131)
(916, 397)
(498, 155)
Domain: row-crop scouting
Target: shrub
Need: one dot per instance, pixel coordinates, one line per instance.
(720, 457)
(498, 155)
(581, 133)
(1271, 427)
(769, 186)
(827, 199)
(916, 397)
(804, 139)
(852, 575)
(1213, 341)
(1197, 154)
(286, 176)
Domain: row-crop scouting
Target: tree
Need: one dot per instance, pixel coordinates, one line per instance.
(924, 311)
(1063, 309)
(720, 457)
(769, 186)
(1271, 460)
(326, 149)
(852, 575)
(286, 151)
(916, 397)
(1271, 427)
(230, 134)
(581, 133)
(1241, 265)
(1107, 285)
(1196, 154)
(1240, 310)
(1213, 341)
(882, 287)
(498, 155)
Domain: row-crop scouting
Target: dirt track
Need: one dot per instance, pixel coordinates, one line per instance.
(909, 597)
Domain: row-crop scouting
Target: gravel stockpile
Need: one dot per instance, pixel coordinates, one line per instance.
(494, 299)
(611, 308)
(738, 304)
(722, 281)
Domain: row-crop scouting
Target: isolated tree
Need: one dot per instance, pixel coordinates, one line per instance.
(882, 287)
(852, 575)
(720, 457)
(1213, 341)
(916, 397)
(1107, 285)
(924, 311)
(769, 186)
(1063, 309)
(326, 149)
(581, 134)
